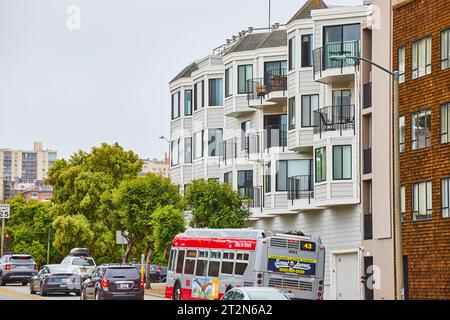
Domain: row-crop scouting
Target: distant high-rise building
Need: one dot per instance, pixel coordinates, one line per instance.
(22, 166)
(156, 166)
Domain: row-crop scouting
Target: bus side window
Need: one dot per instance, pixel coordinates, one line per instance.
(202, 263)
(227, 263)
(241, 263)
(173, 254)
(190, 262)
(180, 261)
(214, 264)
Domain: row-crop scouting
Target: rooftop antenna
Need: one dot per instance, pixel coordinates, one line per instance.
(270, 7)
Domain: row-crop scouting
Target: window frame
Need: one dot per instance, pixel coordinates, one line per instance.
(292, 51)
(198, 106)
(268, 177)
(177, 94)
(202, 134)
(211, 95)
(402, 71)
(413, 43)
(187, 113)
(309, 57)
(414, 213)
(445, 60)
(188, 160)
(292, 114)
(447, 207)
(311, 110)
(218, 143)
(342, 147)
(413, 131)
(172, 144)
(446, 107)
(323, 158)
(246, 86)
(229, 82)
(402, 138)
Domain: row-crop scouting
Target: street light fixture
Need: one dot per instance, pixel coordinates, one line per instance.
(162, 137)
(397, 216)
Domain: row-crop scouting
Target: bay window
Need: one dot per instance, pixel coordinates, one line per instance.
(176, 106)
(199, 95)
(310, 103)
(175, 149)
(228, 82)
(198, 144)
(215, 92)
(291, 113)
(287, 169)
(215, 139)
(245, 74)
(188, 102)
(307, 50)
(342, 162)
(292, 53)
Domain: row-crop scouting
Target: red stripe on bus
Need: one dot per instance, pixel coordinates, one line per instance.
(215, 243)
(186, 294)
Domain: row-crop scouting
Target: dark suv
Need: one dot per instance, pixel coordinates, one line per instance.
(17, 268)
(113, 282)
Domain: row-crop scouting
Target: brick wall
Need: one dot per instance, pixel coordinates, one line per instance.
(426, 243)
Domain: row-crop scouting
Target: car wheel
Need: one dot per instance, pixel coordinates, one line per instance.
(97, 295)
(31, 288)
(177, 292)
(42, 291)
(24, 283)
(67, 293)
(77, 293)
(2, 282)
(82, 295)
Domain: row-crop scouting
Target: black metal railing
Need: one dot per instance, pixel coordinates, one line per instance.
(321, 56)
(335, 118)
(301, 187)
(368, 227)
(252, 144)
(275, 136)
(367, 161)
(273, 81)
(253, 196)
(367, 95)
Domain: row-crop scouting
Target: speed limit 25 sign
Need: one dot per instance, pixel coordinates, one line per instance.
(4, 211)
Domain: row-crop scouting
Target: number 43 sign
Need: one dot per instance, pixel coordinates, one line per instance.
(4, 211)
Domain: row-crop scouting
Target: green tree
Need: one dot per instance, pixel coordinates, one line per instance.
(215, 205)
(135, 201)
(168, 221)
(71, 232)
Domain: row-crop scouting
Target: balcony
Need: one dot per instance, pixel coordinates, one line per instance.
(301, 187)
(275, 136)
(335, 118)
(229, 148)
(268, 91)
(367, 161)
(325, 69)
(367, 95)
(253, 196)
(250, 145)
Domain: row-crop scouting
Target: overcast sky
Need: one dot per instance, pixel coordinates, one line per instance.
(108, 81)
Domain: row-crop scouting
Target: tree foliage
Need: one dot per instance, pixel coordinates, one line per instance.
(215, 205)
(72, 232)
(168, 221)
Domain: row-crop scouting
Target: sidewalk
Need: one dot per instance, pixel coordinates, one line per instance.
(157, 290)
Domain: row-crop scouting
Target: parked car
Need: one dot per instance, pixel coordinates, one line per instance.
(17, 268)
(157, 274)
(255, 293)
(113, 282)
(56, 278)
(80, 259)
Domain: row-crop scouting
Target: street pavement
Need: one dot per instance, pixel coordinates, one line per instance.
(17, 292)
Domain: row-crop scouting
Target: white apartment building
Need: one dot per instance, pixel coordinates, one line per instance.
(156, 166)
(290, 130)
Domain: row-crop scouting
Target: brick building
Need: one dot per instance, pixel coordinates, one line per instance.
(421, 54)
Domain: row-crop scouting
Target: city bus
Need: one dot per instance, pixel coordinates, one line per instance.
(205, 263)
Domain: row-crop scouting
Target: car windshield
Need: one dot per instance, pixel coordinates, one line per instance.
(60, 269)
(87, 262)
(267, 295)
(122, 273)
(22, 259)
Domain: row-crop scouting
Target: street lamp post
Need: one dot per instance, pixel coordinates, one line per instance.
(397, 216)
(162, 137)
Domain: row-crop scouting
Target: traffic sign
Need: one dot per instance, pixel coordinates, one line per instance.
(4, 211)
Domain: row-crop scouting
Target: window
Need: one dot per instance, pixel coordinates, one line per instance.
(180, 261)
(445, 135)
(403, 203)
(187, 150)
(176, 106)
(245, 73)
(342, 162)
(287, 169)
(188, 102)
(310, 104)
(241, 263)
(245, 183)
(215, 138)
(172, 256)
(421, 58)
(402, 134)
(421, 129)
(340, 40)
(227, 263)
(321, 165)
(292, 53)
(422, 205)
(202, 263)
(275, 130)
(215, 92)
(214, 264)
(176, 152)
(401, 64)
(229, 82)
(291, 113)
(307, 50)
(199, 95)
(445, 197)
(245, 132)
(198, 145)
(268, 177)
(275, 75)
(189, 265)
(445, 49)
(228, 178)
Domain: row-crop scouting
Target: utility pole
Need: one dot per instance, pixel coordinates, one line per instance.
(3, 237)
(48, 247)
(270, 9)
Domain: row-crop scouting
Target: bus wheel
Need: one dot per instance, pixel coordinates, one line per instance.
(177, 291)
